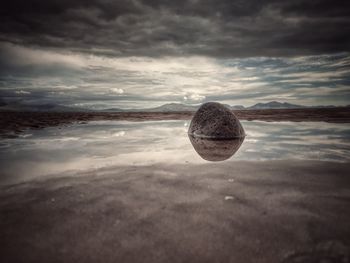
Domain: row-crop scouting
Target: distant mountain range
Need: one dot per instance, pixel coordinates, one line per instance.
(275, 105)
(177, 107)
(170, 107)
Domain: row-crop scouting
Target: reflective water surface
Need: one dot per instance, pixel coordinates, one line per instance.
(105, 143)
(216, 150)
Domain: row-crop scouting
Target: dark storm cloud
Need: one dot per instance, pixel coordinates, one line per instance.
(138, 53)
(155, 28)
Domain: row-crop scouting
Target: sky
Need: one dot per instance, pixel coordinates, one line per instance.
(144, 53)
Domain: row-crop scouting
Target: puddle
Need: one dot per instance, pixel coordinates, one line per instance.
(105, 143)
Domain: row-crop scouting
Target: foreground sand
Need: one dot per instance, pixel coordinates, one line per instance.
(275, 211)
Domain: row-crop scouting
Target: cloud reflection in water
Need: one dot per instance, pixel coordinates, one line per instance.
(116, 143)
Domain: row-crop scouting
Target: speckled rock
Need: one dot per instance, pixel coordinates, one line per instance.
(215, 121)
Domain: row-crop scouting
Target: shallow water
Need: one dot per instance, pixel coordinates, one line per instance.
(107, 143)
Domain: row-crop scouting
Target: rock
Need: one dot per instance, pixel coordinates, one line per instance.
(214, 121)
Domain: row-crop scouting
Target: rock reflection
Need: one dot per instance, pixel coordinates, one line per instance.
(215, 150)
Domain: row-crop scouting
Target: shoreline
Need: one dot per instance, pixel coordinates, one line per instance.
(14, 123)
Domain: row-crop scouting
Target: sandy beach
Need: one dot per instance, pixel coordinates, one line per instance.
(272, 211)
(131, 191)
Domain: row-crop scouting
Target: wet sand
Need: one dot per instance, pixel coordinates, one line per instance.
(13, 123)
(273, 211)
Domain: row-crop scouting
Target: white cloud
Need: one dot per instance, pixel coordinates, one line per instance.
(194, 98)
(116, 90)
(19, 55)
(23, 92)
(119, 134)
